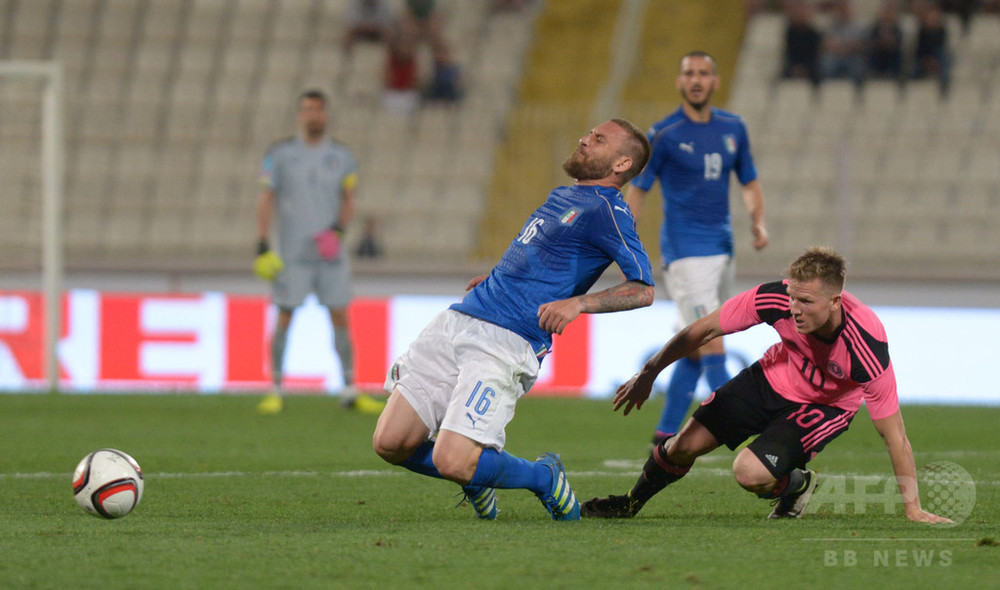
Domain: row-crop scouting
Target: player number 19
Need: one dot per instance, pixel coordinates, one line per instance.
(713, 166)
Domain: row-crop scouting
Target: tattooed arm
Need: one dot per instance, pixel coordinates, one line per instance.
(555, 315)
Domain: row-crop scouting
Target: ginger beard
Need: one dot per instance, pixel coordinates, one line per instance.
(583, 167)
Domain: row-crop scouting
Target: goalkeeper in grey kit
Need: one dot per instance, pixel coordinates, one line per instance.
(308, 185)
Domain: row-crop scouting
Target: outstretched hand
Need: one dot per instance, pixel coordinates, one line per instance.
(632, 394)
(920, 515)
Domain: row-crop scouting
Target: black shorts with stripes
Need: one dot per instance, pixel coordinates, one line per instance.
(791, 433)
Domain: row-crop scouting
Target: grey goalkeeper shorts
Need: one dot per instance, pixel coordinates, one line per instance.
(330, 280)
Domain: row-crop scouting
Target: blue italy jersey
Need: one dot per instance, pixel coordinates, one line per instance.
(693, 162)
(562, 250)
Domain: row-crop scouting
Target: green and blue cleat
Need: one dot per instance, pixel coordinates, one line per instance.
(560, 500)
(483, 500)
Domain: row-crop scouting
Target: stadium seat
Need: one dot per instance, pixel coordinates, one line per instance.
(915, 167)
(983, 163)
(83, 227)
(206, 76)
(466, 198)
(979, 200)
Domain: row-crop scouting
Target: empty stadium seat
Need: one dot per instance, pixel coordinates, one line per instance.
(195, 64)
(909, 172)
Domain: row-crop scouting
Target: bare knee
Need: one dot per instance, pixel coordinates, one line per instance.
(396, 446)
(399, 431)
(393, 451)
(751, 474)
(456, 456)
(693, 441)
(753, 482)
(453, 468)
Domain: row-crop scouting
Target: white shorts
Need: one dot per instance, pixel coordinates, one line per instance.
(330, 280)
(698, 285)
(465, 375)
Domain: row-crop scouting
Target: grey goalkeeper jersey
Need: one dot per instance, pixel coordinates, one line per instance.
(308, 183)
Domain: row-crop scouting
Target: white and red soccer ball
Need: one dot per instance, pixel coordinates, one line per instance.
(108, 483)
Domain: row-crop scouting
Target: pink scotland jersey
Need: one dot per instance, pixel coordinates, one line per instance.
(854, 366)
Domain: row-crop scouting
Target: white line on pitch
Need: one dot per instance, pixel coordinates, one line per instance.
(628, 471)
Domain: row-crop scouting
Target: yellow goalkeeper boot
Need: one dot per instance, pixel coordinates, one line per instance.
(366, 404)
(271, 404)
(363, 403)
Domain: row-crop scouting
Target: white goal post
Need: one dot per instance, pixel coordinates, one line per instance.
(50, 73)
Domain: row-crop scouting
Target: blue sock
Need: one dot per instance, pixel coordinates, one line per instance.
(680, 392)
(421, 461)
(714, 366)
(503, 470)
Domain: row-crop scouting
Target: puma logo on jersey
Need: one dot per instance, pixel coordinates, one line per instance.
(473, 420)
(622, 209)
(687, 147)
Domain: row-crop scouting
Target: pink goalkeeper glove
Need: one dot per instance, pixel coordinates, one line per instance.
(328, 243)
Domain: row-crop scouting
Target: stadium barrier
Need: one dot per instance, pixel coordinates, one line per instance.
(218, 343)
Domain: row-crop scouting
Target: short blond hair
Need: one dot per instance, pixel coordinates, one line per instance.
(820, 262)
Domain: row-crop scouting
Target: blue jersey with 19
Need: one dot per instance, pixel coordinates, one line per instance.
(693, 162)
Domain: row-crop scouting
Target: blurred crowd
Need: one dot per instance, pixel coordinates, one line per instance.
(417, 24)
(825, 40)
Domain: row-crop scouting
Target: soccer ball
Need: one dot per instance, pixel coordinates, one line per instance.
(108, 483)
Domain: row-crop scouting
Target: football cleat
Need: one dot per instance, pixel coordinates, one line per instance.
(611, 507)
(363, 404)
(271, 404)
(348, 396)
(793, 505)
(560, 501)
(483, 500)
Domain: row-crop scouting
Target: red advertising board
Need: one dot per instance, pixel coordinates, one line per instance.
(213, 342)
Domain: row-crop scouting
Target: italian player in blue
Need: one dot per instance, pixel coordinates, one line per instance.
(695, 150)
(453, 392)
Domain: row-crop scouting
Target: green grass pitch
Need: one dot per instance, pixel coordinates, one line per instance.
(299, 500)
